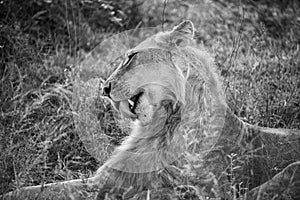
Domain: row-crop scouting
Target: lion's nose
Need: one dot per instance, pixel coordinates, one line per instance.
(106, 89)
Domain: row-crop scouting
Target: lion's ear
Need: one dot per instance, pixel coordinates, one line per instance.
(182, 33)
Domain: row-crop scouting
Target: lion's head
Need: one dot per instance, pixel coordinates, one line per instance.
(149, 76)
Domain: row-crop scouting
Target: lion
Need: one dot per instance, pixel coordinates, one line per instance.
(184, 137)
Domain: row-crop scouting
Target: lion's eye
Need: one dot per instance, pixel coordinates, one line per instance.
(128, 58)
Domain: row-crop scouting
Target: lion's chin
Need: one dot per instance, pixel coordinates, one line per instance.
(138, 107)
(144, 113)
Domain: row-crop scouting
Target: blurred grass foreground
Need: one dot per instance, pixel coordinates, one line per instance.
(256, 45)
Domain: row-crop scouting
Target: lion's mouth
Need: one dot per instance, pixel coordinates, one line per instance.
(133, 102)
(128, 107)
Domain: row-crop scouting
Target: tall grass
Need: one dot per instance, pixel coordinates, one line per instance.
(256, 51)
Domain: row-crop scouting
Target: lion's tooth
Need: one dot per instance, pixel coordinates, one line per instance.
(130, 102)
(125, 111)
